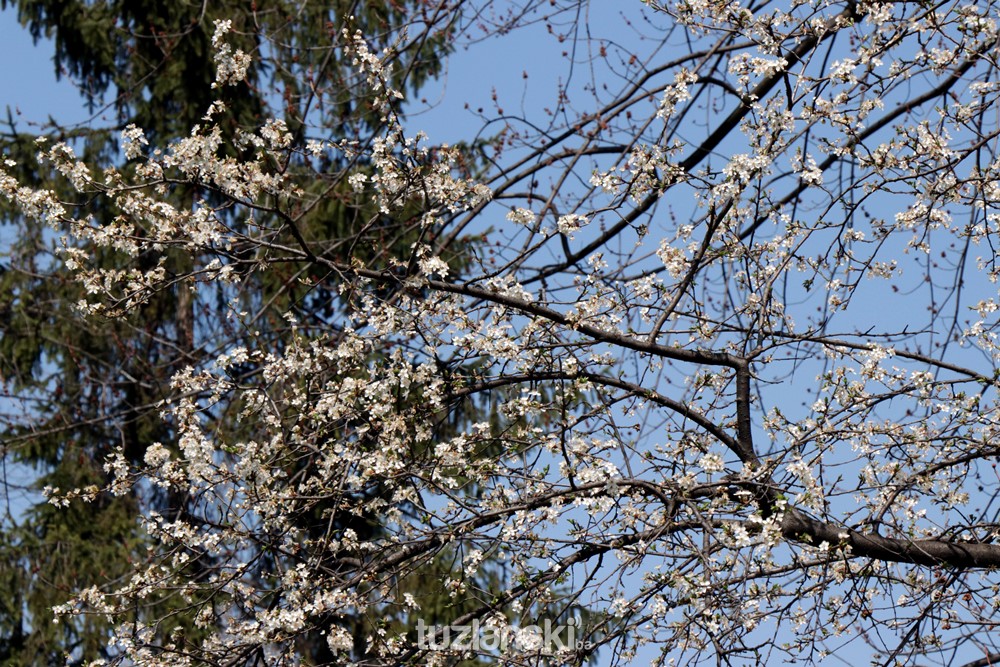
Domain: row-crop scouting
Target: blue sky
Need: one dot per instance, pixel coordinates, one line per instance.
(28, 85)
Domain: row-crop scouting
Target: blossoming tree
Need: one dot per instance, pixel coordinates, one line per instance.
(733, 319)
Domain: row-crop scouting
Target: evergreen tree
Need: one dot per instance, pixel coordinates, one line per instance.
(89, 388)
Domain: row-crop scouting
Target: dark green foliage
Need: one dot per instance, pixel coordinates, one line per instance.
(93, 386)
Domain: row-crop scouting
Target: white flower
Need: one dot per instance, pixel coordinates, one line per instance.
(430, 266)
(133, 139)
(567, 224)
(618, 607)
(231, 67)
(339, 640)
(357, 181)
(711, 462)
(522, 216)
(156, 455)
(674, 259)
(222, 27)
(676, 93)
(607, 182)
(276, 134)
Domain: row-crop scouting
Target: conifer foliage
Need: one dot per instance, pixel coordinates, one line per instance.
(82, 387)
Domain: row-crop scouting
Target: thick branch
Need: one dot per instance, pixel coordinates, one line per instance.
(991, 660)
(798, 527)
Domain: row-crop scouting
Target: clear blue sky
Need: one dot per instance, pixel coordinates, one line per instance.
(28, 83)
